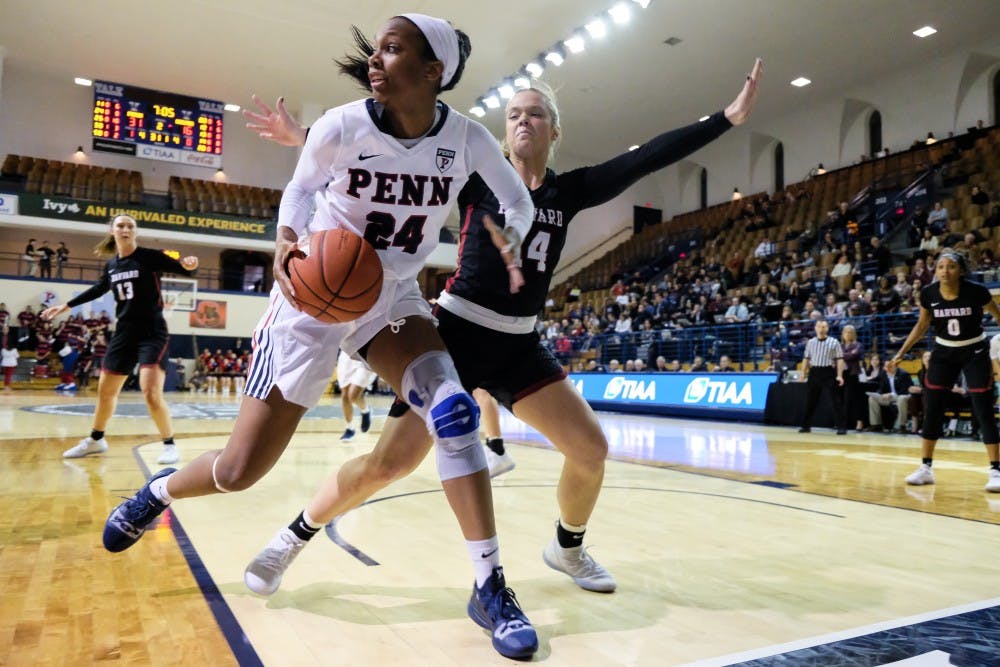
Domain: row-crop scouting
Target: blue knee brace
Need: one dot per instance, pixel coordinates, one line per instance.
(433, 390)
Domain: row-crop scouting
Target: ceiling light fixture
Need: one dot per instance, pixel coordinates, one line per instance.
(232, 107)
(506, 91)
(926, 31)
(554, 57)
(575, 44)
(703, 119)
(642, 3)
(522, 82)
(800, 82)
(597, 29)
(534, 69)
(492, 101)
(620, 13)
(478, 111)
(633, 147)
(80, 81)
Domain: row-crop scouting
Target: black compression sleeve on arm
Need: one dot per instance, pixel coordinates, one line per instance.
(609, 179)
(91, 292)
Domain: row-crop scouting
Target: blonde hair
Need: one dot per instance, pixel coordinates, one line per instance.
(549, 96)
(106, 248)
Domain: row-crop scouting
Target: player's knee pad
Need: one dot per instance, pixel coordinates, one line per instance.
(432, 388)
(982, 407)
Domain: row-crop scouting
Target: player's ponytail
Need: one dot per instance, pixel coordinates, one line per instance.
(356, 65)
(106, 248)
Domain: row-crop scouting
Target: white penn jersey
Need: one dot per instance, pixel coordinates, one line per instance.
(397, 198)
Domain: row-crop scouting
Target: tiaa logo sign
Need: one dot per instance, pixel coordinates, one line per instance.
(717, 391)
(620, 387)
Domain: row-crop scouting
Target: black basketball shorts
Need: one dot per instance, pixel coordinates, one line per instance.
(142, 343)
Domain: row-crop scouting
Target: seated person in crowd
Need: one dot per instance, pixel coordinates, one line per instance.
(893, 390)
(937, 220)
(725, 365)
(978, 197)
(698, 366)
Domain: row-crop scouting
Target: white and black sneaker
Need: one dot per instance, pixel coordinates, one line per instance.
(263, 574)
(580, 566)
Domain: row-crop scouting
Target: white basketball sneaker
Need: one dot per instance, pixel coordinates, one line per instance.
(498, 463)
(86, 447)
(580, 566)
(263, 574)
(993, 485)
(922, 475)
(169, 455)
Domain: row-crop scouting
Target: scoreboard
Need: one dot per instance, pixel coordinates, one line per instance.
(155, 125)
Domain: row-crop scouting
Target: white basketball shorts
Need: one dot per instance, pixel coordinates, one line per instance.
(298, 354)
(351, 371)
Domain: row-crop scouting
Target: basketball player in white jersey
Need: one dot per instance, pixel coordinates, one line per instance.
(391, 167)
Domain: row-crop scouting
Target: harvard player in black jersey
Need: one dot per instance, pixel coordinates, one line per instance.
(490, 332)
(132, 274)
(954, 306)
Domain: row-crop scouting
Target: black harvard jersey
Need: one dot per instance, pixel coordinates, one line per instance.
(135, 283)
(960, 319)
(481, 276)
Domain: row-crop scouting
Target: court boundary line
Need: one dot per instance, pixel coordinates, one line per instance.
(239, 642)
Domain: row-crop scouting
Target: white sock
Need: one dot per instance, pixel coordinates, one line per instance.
(159, 488)
(350, 424)
(366, 411)
(309, 521)
(485, 555)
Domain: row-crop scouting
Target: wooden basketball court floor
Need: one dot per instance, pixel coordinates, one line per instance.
(731, 543)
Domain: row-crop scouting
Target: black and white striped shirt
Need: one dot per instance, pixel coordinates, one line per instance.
(823, 353)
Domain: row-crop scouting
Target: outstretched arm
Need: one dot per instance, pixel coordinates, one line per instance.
(609, 179)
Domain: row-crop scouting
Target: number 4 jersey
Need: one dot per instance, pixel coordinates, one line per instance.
(135, 283)
(959, 321)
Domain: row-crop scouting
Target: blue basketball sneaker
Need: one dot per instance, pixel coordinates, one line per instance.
(129, 521)
(495, 608)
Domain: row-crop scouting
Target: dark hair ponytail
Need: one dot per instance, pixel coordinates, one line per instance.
(356, 65)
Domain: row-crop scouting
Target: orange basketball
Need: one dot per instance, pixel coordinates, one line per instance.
(341, 278)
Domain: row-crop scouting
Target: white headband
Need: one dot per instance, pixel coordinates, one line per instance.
(443, 40)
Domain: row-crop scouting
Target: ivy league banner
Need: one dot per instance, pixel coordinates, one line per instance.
(65, 208)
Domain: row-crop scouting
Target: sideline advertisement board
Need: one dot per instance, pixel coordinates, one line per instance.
(741, 396)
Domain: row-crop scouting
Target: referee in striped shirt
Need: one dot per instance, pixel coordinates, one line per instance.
(822, 370)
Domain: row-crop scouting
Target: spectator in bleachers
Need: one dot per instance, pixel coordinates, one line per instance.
(698, 365)
(937, 220)
(915, 227)
(30, 258)
(62, 259)
(725, 365)
(903, 288)
(737, 311)
(885, 299)
(614, 366)
(880, 255)
(4, 314)
(893, 391)
(870, 372)
(921, 272)
(841, 270)
(978, 197)
(929, 244)
(661, 365)
(44, 254)
(765, 248)
(832, 311)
